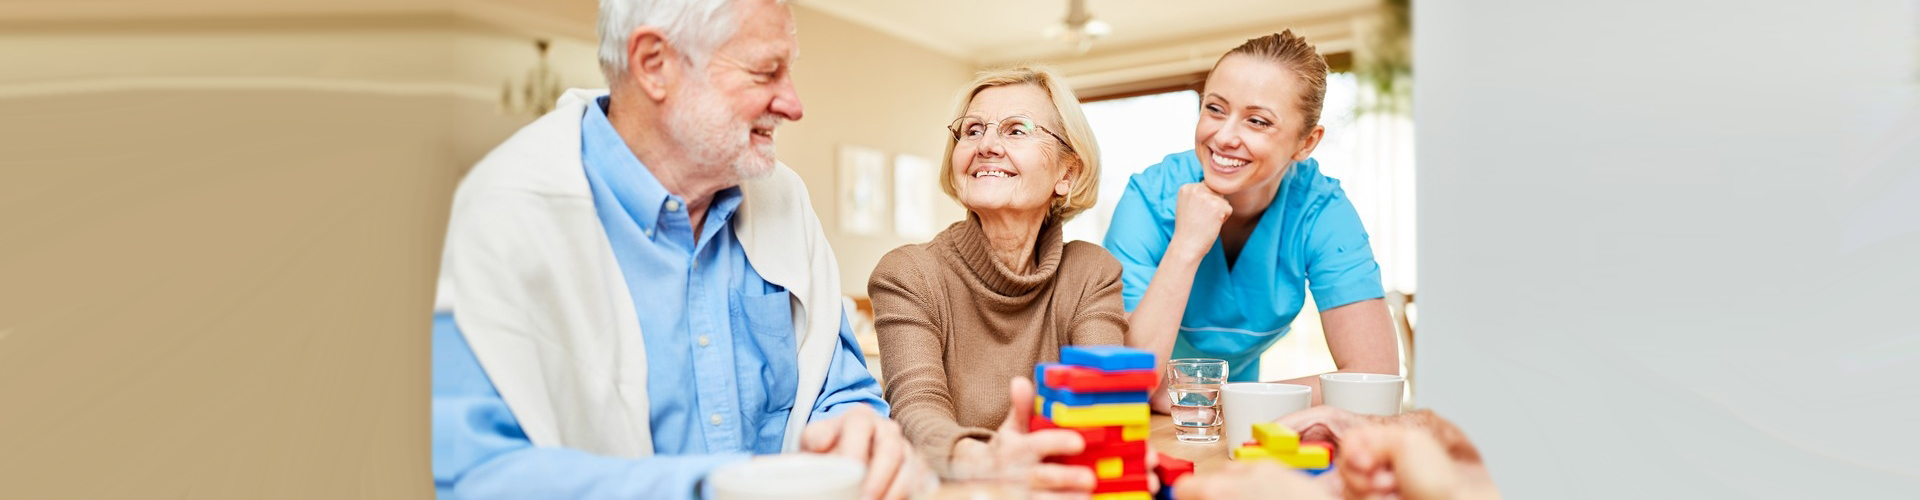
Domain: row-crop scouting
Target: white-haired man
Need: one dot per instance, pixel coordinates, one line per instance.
(633, 292)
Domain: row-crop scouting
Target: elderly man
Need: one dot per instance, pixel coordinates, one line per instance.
(633, 292)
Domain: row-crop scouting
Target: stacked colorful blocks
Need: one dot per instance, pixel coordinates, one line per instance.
(1272, 441)
(1101, 392)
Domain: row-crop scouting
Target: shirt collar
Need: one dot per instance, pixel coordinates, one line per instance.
(640, 194)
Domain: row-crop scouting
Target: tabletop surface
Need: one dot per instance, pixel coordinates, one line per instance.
(1205, 457)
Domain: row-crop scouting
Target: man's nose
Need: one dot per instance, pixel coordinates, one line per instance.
(786, 101)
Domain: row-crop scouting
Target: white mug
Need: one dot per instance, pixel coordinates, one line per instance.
(1248, 403)
(792, 476)
(1363, 393)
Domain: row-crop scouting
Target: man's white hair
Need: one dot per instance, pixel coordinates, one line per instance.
(694, 27)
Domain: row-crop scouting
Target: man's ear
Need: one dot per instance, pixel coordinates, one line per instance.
(651, 62)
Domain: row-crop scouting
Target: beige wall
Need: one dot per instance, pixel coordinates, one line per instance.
(218, 238)
(218, 244)
(865, 88)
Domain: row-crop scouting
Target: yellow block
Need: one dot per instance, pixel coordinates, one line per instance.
(1039, 405)
(1135, 432)
(1123, 495)
(1310, 456)
(1276, 438)
(1252, 453)
(1101, 415)
(1109, 468)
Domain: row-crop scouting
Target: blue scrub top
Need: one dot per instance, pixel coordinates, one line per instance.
(1309, 238)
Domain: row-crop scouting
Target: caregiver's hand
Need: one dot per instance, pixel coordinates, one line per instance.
(1197, 219)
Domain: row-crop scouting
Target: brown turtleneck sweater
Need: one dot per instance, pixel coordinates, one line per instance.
(955, 325)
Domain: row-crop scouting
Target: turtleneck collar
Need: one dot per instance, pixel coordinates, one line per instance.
(976, 255)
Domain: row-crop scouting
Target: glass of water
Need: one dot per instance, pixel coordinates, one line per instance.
(1194, 385)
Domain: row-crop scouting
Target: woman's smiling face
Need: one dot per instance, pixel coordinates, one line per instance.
(1009, 160)
(1251, 128)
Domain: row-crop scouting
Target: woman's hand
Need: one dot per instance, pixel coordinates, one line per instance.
(1014, 450)
(1197, 219)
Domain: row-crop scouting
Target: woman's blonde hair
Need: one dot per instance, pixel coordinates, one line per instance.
(1295, 54)
(1083, 162)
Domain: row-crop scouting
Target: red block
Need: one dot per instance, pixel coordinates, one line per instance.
(1171, 469)
(1129, 482)
(1085, 379)
(1120, 449)
(1129, 465)
(1095, 437)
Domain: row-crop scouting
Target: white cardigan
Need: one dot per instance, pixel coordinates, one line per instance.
(535, 288)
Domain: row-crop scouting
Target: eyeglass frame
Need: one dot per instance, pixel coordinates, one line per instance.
(954, 129)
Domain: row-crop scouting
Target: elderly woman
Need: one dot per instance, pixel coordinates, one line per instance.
(963, 317)
(1221, 244)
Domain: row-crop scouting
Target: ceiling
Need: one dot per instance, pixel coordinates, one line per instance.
(993, 31)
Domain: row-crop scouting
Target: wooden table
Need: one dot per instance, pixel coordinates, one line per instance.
(1206, 457)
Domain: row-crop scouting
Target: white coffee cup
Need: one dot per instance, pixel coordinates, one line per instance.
(1248, 403)
(788, 477)
(1363, 393)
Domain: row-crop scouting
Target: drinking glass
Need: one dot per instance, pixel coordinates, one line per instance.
(1194, 386)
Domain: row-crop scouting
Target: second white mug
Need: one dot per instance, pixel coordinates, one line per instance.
(1363, 393)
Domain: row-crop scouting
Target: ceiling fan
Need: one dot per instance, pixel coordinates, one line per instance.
(1079, 28)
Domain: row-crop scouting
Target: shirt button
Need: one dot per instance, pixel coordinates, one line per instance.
(703, 341)
(715, 419)
(673, 206)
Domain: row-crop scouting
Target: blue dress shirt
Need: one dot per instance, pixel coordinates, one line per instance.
(1308, 240)
(721, 361)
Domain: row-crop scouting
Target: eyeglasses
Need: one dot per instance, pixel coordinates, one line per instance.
(1016, 129)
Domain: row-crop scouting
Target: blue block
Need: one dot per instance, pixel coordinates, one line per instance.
(1317, 472)
(1107, 357)
(1040, 375)
(1070, 398)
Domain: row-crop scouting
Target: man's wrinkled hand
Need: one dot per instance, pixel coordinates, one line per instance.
(894, 470)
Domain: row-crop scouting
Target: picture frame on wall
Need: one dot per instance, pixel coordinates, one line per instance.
(862, 194)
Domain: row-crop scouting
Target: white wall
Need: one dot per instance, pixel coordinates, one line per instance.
(1671, 248)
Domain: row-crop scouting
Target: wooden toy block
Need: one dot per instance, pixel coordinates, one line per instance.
(1131, 482)
(1109, 468)
(1119, 463)
(1133, 451)
(1094, 437)
(1099, 415)
(1088, 380)
(1039, 422)
(1171, 469)
(1107, 357)
(1136, 432)
(1075, 398)
(1276, 438)
(1252, 453)
(1309, 457)
(1127, 495)
(1332, 452)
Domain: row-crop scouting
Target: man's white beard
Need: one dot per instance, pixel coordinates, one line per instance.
(701, 125)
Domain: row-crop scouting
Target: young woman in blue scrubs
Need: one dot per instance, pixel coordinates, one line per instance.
(1220, 245)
